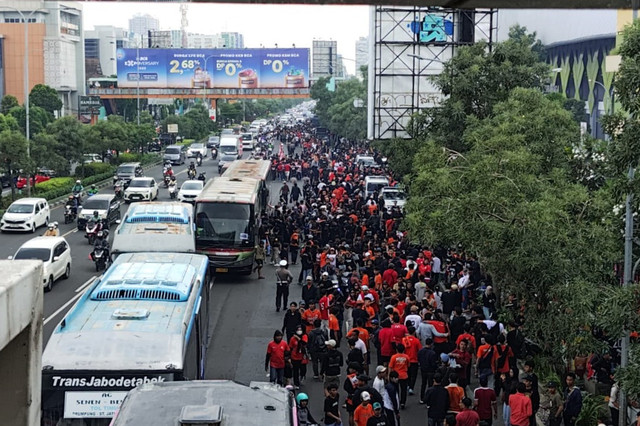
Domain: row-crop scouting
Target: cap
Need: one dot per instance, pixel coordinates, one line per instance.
(375, 321)
(365, 396)
(283, 263)
(364, 287)
(528, 378)
(444, 357)
(331, 343)
(381, 369)
(552, 385)
(325, 274)
(377, 406)
(388, 307)
(309, 278)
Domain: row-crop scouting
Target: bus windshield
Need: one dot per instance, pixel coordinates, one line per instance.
(224, 224)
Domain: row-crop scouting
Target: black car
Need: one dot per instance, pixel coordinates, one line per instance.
(107, 206)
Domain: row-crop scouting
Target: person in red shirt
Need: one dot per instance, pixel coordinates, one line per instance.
(485, 402)
(520, 405)
(390, 276)
(385, 338)
(411, 347)
(467, 417)
(399, 330)
(400, 364)
(274, 361)
(324, 305)
(297, 344)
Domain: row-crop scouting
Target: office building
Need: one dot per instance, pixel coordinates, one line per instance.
(231, 40)
(139, 27)
(56, 49)
(100, 46)
(324, 59)
(362, 54)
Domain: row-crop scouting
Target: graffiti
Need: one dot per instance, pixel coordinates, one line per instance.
(425, 100)
(432, 29)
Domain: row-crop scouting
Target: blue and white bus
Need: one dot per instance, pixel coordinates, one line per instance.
(146, 319)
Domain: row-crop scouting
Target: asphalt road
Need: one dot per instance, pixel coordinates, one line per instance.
(243, 308)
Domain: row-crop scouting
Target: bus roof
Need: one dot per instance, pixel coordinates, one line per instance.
(135, 316)
(166, 226)
(255, 169)
(162, 404)
(230, 190)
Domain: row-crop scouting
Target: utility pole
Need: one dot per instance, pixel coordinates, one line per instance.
(138, 77)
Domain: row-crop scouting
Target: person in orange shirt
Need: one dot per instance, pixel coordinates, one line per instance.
(364, 411)
(368, 307)
(334, 326)
(456, 393)
(310, 315)
(411, 347)
(400, 364)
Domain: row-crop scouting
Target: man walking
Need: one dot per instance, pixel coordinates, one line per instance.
(437, 400)
(572, 401)
(283, 279)
(331, 364)
(274, 361)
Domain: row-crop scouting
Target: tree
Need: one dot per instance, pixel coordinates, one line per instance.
(68, 141)
(337, 111)
(511, 200)
(8, 102)
(38, 119)
(45, 97)
(13, 151)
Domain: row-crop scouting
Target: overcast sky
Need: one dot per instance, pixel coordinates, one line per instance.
(260, 24)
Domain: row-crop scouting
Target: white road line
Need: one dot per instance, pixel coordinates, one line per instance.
(62, 308)
(89, 281)
(70, 232)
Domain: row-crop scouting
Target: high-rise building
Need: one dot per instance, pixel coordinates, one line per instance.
(324, 59)
(139, 27)
(56, 49)
(100, 45)
(231, 40)
(362, 53)
(165, 39)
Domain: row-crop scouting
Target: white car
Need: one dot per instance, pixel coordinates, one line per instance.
(393, 197)
(196, 148)
(141, 189)
(189, 190)
(247, 141)
(55, 254)
(25, 214)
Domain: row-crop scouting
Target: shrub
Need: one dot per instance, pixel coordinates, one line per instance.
(97, 178)
(92, 169)
(54, 184)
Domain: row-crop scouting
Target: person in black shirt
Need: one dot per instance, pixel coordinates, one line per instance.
(332, 406)
(292, 319)
(437, 400)
(428, 363)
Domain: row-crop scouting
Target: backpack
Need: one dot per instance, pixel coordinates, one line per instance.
(502, 356)
(316, 343)
(485, 359)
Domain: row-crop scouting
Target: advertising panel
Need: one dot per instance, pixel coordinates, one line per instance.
(213, 68)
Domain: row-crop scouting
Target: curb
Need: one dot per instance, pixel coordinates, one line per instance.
(102, 184)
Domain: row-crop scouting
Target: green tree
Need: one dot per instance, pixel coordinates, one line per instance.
(45, 97)
(46, 152)
(38, 118)
(511, 200)
(68, 140)
(13, 152)
(8, 102)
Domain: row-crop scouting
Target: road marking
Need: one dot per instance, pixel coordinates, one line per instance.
(89, 281)
(70, 232)
(63, 307)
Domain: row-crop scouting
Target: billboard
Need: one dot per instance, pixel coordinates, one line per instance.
(213, 68)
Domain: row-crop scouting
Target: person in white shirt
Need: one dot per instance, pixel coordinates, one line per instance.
(380, 381)
(421, 288)
(413, 317)
(463, 285)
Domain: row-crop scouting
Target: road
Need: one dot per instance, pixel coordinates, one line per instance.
(243, 311)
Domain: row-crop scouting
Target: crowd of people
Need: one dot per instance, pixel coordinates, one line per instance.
(381, 322)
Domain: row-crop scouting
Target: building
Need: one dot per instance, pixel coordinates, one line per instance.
(362, 53)
(139, 27)
(231, 40)
(166, 39)
(203, 41)
(56, 49)
(100, 46)
(324, 59)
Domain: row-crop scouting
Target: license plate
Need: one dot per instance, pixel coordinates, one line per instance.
(222, 269)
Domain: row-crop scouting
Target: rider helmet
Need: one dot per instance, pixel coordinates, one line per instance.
(93, 186)
(301, 397)
(95, 213)
(100, 234)
(173, 178)
(78, 181)
(52, 226)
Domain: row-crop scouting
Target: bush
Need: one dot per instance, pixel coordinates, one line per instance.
(97, 178)
(92, 169)
(54, 184)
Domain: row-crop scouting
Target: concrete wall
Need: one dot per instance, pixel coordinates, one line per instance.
(21, 295)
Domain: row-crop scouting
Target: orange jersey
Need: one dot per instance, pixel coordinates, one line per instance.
(333, 323)
(362, 414)
(308, 317)
(400, 364)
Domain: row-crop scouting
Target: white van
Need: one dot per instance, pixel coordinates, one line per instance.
(374, 184)
(231, 144)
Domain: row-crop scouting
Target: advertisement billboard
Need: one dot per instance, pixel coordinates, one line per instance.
(213, 68)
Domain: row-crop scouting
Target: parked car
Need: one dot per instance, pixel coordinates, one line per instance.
(25, 214)
(107, 206)
(189, 190)
(196, 148)
(38, 178)
(92, 158)
(141, 189)
(175, 154)
(55, 254)
(128, 171)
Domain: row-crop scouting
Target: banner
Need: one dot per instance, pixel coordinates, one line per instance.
(213, 68)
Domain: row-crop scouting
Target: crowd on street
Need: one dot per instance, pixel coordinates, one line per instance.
(385, 324)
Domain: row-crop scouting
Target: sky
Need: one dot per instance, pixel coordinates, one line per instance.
(260, 24)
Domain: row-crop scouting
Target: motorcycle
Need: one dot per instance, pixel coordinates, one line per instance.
(167, 179)
(69, 214)
(91, 230)
(173, 193)
(199, 160)
(118, 188)
(191, 173)
(214, 153)
(99, 257)
(78, 196)
(202, 176)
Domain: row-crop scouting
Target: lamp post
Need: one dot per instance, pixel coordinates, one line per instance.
(205, 70)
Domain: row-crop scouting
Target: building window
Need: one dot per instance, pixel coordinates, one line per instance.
(19, 20)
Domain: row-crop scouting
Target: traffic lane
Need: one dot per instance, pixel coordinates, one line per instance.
(66, 292)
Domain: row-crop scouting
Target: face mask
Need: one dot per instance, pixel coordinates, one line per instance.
(299, 332)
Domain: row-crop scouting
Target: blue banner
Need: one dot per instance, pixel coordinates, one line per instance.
(213, 68)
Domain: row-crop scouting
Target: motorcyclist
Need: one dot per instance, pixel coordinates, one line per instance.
(102, 242)
(199, 158)
(92, 191)
(52, 230)
(77, 188)
(202, 176)
(168, 171)
(95, 218)
(72, 202)
(192, 170)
